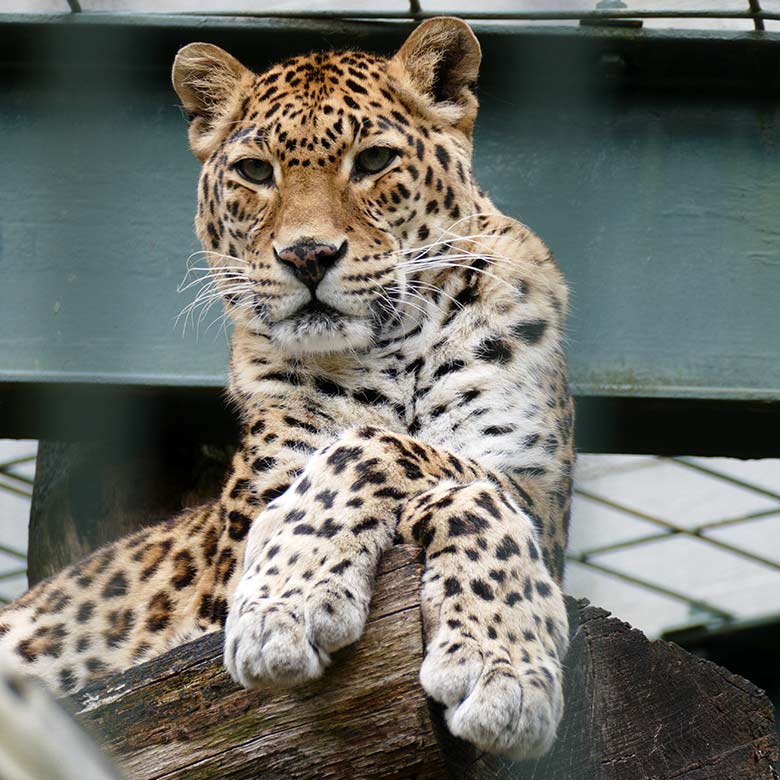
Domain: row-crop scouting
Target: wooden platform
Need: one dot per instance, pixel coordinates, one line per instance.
(635, 710)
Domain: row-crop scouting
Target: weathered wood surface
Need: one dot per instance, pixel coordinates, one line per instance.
(181, 717)
(636, 710)
(642, 710)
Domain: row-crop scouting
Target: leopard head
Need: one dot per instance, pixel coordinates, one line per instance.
(322, 176)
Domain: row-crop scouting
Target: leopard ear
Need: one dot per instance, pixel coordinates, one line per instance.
(440, 61)
(209, 83)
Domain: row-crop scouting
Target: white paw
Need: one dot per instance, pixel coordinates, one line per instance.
(280, 642)
(334, 621)
(500, 708)
(267, 644)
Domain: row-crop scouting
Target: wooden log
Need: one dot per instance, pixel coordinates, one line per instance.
(180, 716)
(635, 710)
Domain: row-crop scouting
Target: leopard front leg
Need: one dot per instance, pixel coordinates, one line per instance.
(312, 554)
(495, 619)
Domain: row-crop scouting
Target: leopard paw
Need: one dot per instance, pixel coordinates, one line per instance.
(266, 644)
(287, 640)
(513, 710)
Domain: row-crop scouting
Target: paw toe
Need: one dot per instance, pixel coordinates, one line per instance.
(489, 718)
(508, 716)
(449, 679)
(292, 660)
(539, 719)
(500, 708)
(334, 622)
(269, 647)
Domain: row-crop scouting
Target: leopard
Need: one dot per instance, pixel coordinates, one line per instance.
(397, 365)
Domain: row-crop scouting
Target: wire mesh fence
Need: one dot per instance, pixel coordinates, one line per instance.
(664, 542)
(701, 535)
(17, 468)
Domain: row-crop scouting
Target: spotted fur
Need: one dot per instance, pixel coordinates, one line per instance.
(397, 364)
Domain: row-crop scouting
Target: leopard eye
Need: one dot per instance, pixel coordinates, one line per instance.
(374, 159)
(254, 170)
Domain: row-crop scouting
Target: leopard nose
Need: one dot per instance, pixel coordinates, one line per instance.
(310, 260)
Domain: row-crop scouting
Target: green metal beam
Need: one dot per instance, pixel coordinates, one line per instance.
(648, 160)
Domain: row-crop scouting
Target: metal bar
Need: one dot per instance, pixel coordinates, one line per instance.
(627, 510)
(9, 575)
(698, 532)
(75, 6)
(533, 16)
(586, 555)
(728, 478)
(672, 530)
(18, 477)
(12, 552)
(735, 520)
(673, 594)
(738, 551)
(16, 461)
(755, 9)
(13, 489)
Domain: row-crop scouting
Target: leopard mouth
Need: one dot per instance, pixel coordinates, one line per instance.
(317, 327)
(315, 312)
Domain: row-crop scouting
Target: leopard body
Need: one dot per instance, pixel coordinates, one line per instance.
(398, 368)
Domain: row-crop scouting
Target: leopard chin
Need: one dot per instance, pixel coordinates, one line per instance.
(319, 328)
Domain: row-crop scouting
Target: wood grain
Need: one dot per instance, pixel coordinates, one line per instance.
(636, 710)
(180, 716)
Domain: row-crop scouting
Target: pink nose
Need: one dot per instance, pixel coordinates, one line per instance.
(309, 260)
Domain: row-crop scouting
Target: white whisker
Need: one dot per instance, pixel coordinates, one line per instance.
(218, 254)
(434, 288)
(440, 265)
